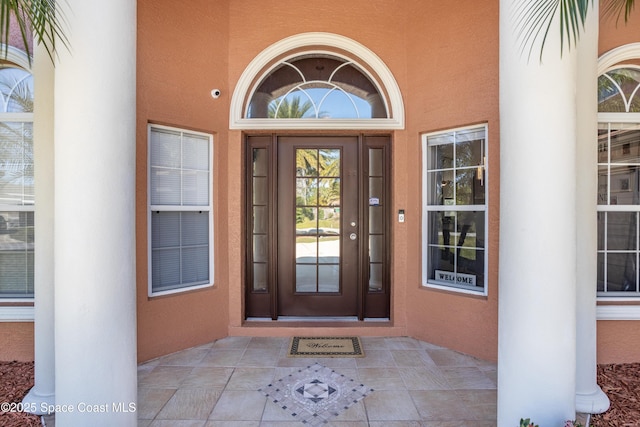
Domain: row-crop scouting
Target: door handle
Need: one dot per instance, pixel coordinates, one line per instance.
(353, 236)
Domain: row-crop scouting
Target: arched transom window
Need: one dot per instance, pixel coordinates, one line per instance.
(619, 90)
(316, 81)
(317, 86)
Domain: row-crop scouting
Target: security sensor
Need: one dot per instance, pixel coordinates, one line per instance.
(215, 93)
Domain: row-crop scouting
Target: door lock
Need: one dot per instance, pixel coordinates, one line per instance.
(353, 236)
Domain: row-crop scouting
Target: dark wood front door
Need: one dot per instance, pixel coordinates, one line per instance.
(318, 226)
(318, 229)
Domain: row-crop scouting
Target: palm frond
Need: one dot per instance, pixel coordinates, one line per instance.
(37, 19)
(534, 19)
(615, 8)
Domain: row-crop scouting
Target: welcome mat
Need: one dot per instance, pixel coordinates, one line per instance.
(325, 347)
(315, 394)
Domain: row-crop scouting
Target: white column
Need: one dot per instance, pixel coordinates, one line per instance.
(95, 311)
(42, 395)
(537, 283)
(589, 397)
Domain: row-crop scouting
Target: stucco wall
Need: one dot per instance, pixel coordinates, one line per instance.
(17, 341)
(182, 56)
(453, 76)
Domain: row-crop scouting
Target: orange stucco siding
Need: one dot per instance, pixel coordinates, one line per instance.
(17, 341)
(453, 76)
(178, 65)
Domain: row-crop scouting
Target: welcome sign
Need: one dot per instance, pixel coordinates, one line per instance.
(455, 278)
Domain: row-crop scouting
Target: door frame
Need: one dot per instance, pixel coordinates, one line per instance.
(261, 274)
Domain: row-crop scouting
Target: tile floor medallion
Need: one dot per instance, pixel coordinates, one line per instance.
(315, 394)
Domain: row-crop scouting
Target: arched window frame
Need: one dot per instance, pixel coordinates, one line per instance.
(308, 43)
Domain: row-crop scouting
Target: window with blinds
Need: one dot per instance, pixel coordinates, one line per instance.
(180, 210)
(17, 202)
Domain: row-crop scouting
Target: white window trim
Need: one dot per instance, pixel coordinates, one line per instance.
(247, 82)
(151, 208)
(425, 209)
(17, 314)
(618, 312)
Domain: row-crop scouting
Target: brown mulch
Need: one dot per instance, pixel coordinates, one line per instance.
(16, 379)
(620, 382)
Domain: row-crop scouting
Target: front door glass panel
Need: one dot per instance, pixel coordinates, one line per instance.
(317, 224)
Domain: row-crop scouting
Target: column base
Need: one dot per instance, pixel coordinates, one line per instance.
(595, 402)
(41, 404)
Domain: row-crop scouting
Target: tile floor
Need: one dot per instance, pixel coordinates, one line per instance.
(415, 384)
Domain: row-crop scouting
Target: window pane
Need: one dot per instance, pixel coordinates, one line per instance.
(376, 191)
(329, 160)
(441, 188)
(624, 185)
(625, 146)
(621, 272)
(469, 153)
(165, 148)
(470, 229)
(16, 163)
(329, 249)
(376, 248)
(375, 277)
(260, 248)
(329, 192)
(621, 231)
(329, 278)
(195, 152)
(466, 190)
(260, 194)
(260, 162)
(165, 186)
(165, 229)
(307, 249)
(195, 228)
(440, 152)
(603, 185)
(306, 162)
(305, 278)
(259, 219)
(441, 262)
(601, 221)
(306, 191)
(16, 87)
(376, 219)
(376, 162)
(165, 269)
(259, 277)
(195, 188)
(600, 286)
(16, 254)
(195, 265)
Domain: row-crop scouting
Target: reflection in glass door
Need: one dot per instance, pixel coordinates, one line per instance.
(317, 221)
